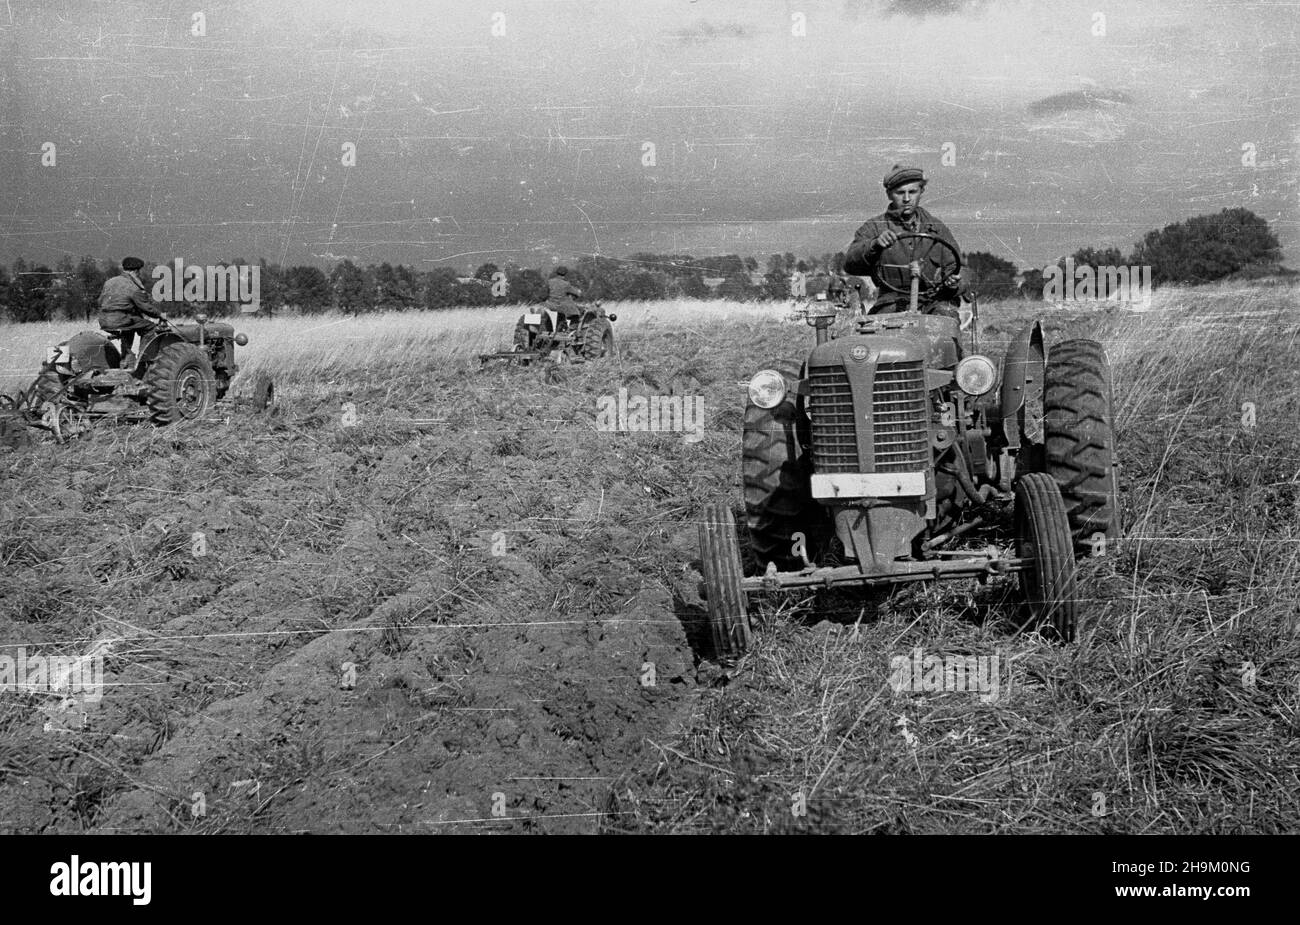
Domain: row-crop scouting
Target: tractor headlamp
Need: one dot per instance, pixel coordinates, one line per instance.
(767, 388)
(976, 375)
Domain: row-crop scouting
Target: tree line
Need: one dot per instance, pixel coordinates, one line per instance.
(1232, 243)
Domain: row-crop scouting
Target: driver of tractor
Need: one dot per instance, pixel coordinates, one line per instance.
(836, 290)
(941, 288)
(563, 294)
(125, 307)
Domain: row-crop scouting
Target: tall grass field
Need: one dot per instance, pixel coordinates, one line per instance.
(417, 591)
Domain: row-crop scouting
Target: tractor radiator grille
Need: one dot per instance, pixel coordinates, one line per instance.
(834, 434)
(902, 434)
(899, 419)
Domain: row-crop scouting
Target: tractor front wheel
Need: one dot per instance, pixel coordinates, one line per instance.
(724, 597)
(1047, 586)
(181, 386)
(778, 497)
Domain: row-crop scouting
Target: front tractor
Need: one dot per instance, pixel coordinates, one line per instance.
(876, 462)
(179, 373)
(549, 334)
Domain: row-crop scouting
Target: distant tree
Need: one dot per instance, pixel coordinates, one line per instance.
(309, 289)
(90, 279)
(271, 287)
(737, 286)
(1092, 257)
(472, 294)
(642, 287)
(527, 286)
(6, 290)
(776, 284)
(348, 285)
(1207, 247)
(486, 271)
(751, 264)
(440, 287)
(393, 289)
(65, 297)
(692, 287)
(991, 276)
(31, 292)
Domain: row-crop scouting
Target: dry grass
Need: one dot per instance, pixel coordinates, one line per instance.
(368, 543)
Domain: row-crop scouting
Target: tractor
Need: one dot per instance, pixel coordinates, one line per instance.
(879, 459)
(180, 371)
(550, 334)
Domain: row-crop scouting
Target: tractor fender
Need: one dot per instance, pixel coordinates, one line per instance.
(150, 349)
(1022, 375)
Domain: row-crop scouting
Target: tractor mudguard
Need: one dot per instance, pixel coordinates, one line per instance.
(91, 350)
(149, 349)
(1022, 378)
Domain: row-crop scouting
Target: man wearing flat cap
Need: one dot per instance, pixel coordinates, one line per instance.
(125, 306)
(905, 186)
(562, 293)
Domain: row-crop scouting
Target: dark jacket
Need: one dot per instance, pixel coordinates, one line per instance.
(863, 255)
(561, 289)
(124, 301)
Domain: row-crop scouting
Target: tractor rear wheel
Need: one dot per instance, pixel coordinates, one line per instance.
(1079, 438)
(181, 386)
(724, 597)
(778, 498)
(597, 339)
(1048, 587)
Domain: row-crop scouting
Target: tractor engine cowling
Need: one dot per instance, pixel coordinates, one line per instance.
(870, 414)
(872, 460)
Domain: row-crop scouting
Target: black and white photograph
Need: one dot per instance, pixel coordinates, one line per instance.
(690, 417)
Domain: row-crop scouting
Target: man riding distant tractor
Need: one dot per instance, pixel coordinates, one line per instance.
(125, 307)
(563, 330)
(180, 371)
(563, 296)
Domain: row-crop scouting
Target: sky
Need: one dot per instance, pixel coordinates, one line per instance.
(537, 131)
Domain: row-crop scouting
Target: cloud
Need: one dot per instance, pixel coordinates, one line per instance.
(704, 31)
(933, 7)
(1098, 99)
(1083, 117)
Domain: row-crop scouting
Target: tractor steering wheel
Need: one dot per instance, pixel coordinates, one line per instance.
(929, 285)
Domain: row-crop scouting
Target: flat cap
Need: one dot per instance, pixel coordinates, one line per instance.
(898, 175)
(132, 263)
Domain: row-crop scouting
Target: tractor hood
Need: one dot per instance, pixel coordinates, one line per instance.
(213, 329)
(859, 349)
(935, 336)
